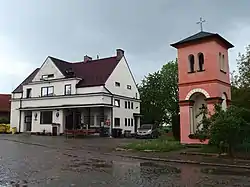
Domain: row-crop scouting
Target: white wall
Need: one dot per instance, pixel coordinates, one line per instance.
(122, 113)
(59, 87)
(122, 75)
(48, 67)
(16, 95)
(92, 89)
(37, 127)
(14, 114)
(67, 100)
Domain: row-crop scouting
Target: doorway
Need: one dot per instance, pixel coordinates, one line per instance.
(28, 121)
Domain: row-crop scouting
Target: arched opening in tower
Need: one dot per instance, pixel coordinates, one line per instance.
(197, 111)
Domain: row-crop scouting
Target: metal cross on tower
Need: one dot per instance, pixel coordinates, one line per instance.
(200, 22)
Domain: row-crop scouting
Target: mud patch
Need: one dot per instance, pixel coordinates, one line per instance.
(158, 168)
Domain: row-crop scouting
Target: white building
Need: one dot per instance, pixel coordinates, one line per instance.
(91, 92)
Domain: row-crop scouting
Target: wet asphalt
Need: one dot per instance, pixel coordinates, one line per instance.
(25, 164)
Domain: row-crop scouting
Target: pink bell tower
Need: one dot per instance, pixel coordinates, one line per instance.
(203, 70)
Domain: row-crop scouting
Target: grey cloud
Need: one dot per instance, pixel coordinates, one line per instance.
(143, 28)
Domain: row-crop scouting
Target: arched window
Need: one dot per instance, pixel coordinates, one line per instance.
(191, 63)
(220, 61)
(223, 63)
(201, 61)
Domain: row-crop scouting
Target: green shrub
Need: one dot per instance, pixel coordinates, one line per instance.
(4, 120)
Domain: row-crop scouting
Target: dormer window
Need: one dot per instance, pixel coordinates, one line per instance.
(191, 63)
(201, 61)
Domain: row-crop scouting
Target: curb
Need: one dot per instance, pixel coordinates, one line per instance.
(184, 161)
(201, 154)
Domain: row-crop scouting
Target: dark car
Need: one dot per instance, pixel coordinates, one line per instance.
(147, 131)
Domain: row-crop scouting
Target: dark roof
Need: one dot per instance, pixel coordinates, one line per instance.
(19, 89)
(92, 73)
(200, 36)
(5, 102)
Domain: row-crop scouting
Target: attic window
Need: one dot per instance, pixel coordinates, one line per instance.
(129, 87)
(117, 84)
(47, 76)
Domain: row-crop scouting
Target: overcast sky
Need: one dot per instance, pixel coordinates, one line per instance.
(30, 30)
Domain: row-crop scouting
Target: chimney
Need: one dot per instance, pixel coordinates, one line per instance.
(87, 58)
(119, 53)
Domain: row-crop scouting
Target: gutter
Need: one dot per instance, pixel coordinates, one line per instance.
(20, 115)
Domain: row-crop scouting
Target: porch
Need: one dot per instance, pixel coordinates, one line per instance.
(58, 120)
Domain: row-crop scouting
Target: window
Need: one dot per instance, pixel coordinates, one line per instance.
(132, 105)
(136, 95)
(117, 122)
(117, 102)
(223, 63)
(220, 61)
(126, 122)
(67, 89)
(28, 93)
(201, 61)
(126, 104)
(47, 76)
(46, 117)
(129, 87)
(117, 84)
(191, 63)
(47, 91)
(132, 122)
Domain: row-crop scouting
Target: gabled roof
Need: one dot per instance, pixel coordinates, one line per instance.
(5, 102)
(200, 36)
(19, 89)
(92, 73)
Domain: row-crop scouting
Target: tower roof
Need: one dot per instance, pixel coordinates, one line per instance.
(202, 36)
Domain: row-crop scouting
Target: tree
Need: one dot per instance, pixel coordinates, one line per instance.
(159, 95)
(241, 81)
(151, 107)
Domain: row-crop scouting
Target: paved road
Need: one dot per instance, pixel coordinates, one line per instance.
(25, 164)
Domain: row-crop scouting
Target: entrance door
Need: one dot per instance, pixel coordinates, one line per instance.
(69, 121)
(54, 131)
(136, 124)
(27, 121)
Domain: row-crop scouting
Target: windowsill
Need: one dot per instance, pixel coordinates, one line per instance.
(200, 70)
(223, 71)
(191, 72)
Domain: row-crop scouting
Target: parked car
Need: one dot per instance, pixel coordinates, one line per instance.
(147, 131)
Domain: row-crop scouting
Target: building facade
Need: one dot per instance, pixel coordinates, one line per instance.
(203, 79)
(93, 93)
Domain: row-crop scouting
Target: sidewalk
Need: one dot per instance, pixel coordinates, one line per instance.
(177, 157)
